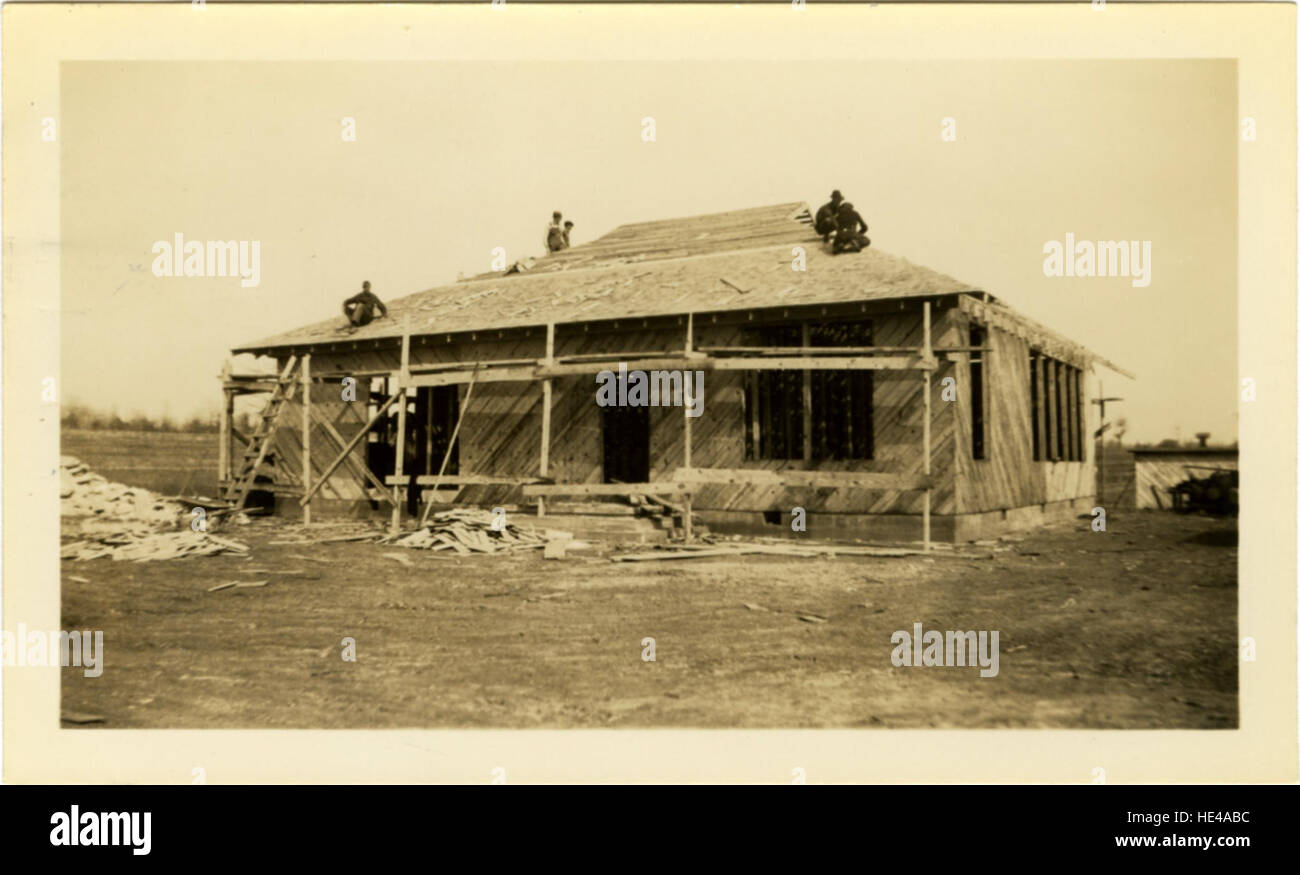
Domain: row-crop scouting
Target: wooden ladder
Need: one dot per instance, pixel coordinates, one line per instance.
(260, 440)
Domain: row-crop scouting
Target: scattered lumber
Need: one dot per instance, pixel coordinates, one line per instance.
(141, 544)
(467, 531)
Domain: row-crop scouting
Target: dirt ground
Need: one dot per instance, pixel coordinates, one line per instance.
(1131, 628)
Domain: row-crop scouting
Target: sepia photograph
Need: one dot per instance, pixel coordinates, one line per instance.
(451, 404)
(616, 393)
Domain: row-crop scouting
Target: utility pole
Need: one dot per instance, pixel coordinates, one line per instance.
(1101, 461)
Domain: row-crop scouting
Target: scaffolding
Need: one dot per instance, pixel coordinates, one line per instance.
(685, 480)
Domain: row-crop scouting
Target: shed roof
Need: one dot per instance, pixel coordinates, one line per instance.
(737, 260)
(1183, 451)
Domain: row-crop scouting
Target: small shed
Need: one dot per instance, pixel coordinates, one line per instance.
(1157, 470)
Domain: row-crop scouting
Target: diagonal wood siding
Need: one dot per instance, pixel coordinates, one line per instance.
(1008, 476)
(501, 432)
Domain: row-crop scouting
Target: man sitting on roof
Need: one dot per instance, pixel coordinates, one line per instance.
(555, 233)
(825, 220)
(849, 236)
(568, 228)
(360, 308)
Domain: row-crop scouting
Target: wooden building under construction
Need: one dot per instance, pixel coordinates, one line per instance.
(887, 400)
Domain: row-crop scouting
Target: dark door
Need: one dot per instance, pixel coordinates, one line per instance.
(627, 444)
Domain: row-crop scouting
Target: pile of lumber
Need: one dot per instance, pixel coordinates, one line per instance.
(471, 531)
(142, 544)
(84, 493)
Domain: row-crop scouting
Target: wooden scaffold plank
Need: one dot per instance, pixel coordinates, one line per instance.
(306, 436)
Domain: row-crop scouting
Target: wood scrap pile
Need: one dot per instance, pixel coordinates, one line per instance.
(472, 531)
(84, 493)
(142, 544)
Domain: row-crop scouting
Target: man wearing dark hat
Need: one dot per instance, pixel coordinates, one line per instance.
(825, 220)
(849, 231)
(568, 229)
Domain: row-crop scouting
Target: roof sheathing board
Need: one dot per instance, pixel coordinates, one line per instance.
(736, 280)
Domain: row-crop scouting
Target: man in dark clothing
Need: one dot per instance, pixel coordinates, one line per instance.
(360, 308)
(825, 219)
(849, 236)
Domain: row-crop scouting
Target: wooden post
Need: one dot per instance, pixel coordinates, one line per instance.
(686, 428)
(402, 377)
(306, 436)
(223, 434)
(686, 404)
(807, 398)
(925, 425)
(545, 466)
(1101, 457)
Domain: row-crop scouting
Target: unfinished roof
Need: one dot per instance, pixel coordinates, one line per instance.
(739, 260)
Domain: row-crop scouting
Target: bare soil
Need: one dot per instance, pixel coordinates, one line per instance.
(1131, 628)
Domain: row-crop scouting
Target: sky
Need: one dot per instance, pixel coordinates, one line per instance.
(452, 159)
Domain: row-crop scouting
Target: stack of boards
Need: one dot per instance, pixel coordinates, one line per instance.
(472, 531)
(84, 493)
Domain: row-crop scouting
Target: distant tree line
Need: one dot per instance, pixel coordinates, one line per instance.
(1172, 444)
(82, 416)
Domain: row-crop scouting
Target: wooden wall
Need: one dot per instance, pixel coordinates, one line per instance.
(501, 431)
(1008, 476)
(346, 419)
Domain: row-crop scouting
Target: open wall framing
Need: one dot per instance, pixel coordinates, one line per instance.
(528, 430)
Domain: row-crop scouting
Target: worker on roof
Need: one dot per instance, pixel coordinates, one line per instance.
(825, 220)
(568, 227)
(360, 308)
(555, 233)
(849, 228)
